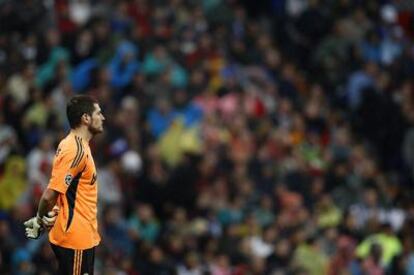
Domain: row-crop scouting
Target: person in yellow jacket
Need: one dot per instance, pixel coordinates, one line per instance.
(389, 242)
(13, 183)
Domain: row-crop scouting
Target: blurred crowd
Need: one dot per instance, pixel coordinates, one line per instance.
(241, 137)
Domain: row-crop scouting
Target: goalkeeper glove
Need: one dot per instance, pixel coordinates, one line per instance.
(49, 220)
(33, 227)
(36, 225)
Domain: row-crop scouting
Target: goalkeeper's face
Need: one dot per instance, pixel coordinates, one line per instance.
(96, 122)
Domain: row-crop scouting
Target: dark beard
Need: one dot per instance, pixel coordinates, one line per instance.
(94, 131)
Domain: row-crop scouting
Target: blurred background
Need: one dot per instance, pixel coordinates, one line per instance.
(242, 137)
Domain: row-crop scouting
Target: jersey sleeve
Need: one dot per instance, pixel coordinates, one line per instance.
(67, 166)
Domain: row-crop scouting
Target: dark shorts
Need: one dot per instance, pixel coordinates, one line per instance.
(74, 261)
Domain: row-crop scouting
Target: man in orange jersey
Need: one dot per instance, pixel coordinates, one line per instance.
(73, 189)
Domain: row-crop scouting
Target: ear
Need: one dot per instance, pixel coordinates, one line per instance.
(86, 118)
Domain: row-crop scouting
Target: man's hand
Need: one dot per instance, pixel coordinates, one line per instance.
(36, 225)
(49, 220)
(33, 227)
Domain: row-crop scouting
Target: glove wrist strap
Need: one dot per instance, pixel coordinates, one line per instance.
(39, 219)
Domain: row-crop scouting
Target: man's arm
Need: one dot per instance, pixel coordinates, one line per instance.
(47, 201)
(46, 215)
(66, 166)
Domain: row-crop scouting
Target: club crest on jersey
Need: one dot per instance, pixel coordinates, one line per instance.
(68, 179)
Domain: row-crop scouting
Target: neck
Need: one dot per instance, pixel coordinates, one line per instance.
(82, 132)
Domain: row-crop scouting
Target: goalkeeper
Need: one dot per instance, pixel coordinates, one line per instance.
(68, 207)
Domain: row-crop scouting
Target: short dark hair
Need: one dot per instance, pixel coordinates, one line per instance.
(77, 107)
